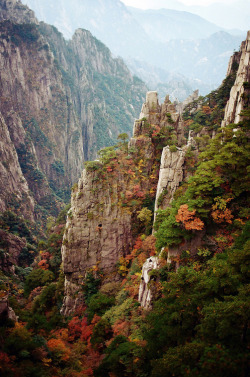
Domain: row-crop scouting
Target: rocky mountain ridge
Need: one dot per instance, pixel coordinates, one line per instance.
(155, 47)
(61, 102)
(112, 192)
(104, 204)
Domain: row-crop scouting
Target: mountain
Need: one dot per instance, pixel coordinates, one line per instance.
(60, 103)
(177, 42)
(231, 15)
(146, 271)
(165, 24)
(236, 14)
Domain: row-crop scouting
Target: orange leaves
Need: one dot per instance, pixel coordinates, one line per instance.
(206, 110)
(188, 219)
(222, 216)
(43, 264)
(121, 327)
(220, 212)
(58, 349)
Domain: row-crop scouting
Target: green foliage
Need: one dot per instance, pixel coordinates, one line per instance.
(222, 170)
(37, 278)
(107, 154)
(12, 223)
(58, 167)
(169, 117)
(23, 33)
(91, 166)
(102, 331)
(161, 197)
(122, 311)
(91, 285)
(45, 300)
(98, 304)
(123, 137)
(202, 312)
(119, 359)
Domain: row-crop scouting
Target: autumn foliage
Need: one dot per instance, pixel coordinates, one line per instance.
(188, 219)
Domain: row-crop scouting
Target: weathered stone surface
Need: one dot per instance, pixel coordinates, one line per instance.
(54, 105)
(12, 182)
(99, 229)
(192, 246)
(98, 232)
(193, 97)
(13, 246)
(238, 98)
(19, 12)
(151, 105)
(5, 310)
(171, 174)
(145, 294)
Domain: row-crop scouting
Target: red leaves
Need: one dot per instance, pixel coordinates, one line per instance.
(43, 264)
(188, 219)
(79, 329)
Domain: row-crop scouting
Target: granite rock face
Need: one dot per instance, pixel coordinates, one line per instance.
(239, 95)
(171, 174)
(5, 310)
(99, 227)
(12, 180)
(145, 293)
(98, 232)
(61, 101)
(14, 246)
(40, 119)
(19, 12)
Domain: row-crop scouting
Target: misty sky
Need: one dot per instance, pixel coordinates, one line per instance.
(146, 4)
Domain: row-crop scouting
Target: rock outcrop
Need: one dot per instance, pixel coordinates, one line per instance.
(98, 232)
(19, 12)
(239, 95)
(12, 181)
(11, 248)
(6, 312)
(105, 205)
(145, 293)
(170, 177)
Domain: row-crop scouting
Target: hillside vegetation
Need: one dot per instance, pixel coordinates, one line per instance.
(199, 322)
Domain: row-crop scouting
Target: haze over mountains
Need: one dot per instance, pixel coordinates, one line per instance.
(230, 14)
(168, 49)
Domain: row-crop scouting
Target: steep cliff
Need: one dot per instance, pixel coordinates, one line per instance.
(105, 95)
(61, 102)
(240, 92)
(113, 196)
(37, 111)
(11, 175)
